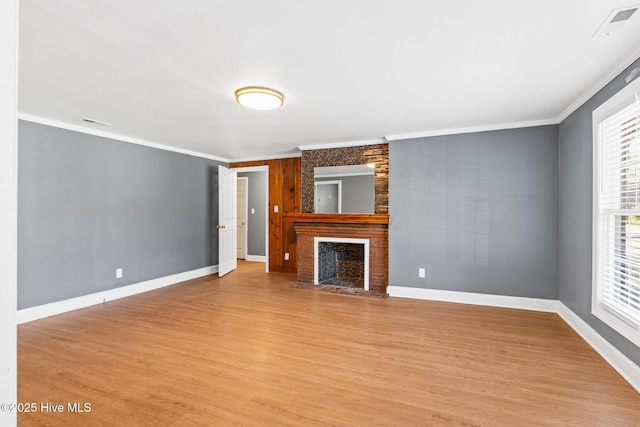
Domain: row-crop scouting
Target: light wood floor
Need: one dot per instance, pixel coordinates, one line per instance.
(247, 349)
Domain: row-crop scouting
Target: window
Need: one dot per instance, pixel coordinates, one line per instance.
(616, 219)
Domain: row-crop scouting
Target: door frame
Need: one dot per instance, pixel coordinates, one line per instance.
(265, 169)
(246, 212)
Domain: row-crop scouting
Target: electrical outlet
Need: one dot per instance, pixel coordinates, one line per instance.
(286, 256)
(422, 273)
(119, 273)
(253, 211)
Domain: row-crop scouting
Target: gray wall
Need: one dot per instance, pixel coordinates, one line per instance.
(256, 223)
(358, 195)
(575, 181)
(89, 205)
(479, 211)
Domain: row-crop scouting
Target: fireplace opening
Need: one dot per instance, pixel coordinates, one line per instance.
(341, 262)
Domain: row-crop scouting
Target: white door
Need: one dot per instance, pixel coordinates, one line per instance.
(226, 220)
(242, 217)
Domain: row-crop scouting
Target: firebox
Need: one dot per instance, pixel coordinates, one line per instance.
(341, 261)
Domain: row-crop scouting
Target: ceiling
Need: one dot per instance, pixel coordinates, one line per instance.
(165, 72)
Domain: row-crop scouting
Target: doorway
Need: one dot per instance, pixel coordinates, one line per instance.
(328, 197)
(242, 196)
(256, 227)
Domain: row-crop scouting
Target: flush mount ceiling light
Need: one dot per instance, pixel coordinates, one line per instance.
(259, 98)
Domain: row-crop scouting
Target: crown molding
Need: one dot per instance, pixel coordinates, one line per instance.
(597, 86)
(588, 94)
(472, 129)
(94, 132)
(382, 140)
(272, 157)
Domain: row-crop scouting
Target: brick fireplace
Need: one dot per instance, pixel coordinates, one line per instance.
(370, 227)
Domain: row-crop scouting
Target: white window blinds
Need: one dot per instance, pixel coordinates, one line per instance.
(617, 226)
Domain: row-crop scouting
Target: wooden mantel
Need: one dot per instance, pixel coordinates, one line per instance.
(337, 218)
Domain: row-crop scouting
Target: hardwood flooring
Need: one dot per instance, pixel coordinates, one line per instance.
(251, 349)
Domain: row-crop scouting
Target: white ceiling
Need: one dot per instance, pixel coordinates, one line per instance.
(166, 71)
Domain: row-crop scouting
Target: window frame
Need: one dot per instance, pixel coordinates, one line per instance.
(627, 96)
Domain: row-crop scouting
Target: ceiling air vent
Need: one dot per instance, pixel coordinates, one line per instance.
(616, 19)
(95, 122)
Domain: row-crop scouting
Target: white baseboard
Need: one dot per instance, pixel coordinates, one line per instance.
(256, 258)
(621, 363)
(521, 303)
(58, 307)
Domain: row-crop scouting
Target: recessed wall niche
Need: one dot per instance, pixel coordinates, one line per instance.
(377, 154)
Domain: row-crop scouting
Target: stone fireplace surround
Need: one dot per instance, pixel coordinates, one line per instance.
(374, 227)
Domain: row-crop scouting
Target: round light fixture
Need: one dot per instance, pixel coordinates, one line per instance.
(259, 98)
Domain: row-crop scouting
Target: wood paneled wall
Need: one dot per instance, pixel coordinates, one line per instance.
(284, 192)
